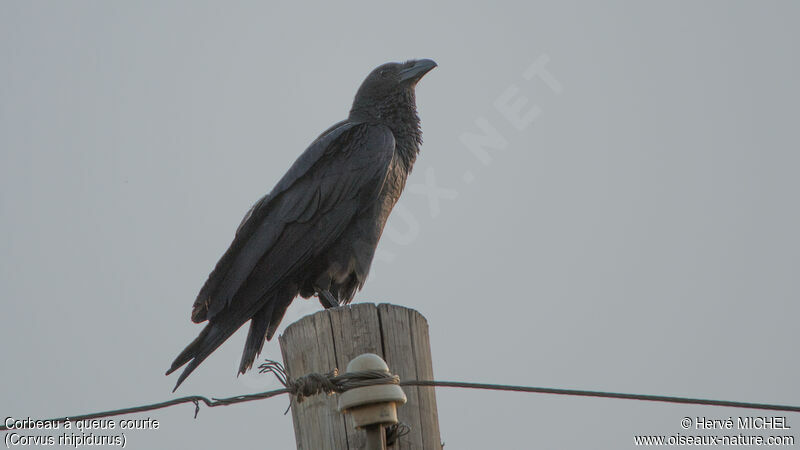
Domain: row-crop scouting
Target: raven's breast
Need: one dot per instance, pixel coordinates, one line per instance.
(345, 265)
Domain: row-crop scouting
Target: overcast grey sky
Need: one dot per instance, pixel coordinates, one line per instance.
(638, 233)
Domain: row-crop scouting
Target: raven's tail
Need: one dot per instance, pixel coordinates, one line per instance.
(212, 336)
(255, 337)
(263, 326)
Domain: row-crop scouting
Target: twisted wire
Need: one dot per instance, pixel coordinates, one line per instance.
(333, 382)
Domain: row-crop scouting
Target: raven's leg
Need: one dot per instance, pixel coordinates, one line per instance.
(326, 299)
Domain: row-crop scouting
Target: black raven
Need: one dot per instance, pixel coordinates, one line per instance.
(315, 233)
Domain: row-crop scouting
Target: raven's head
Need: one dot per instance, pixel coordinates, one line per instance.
(388, 91)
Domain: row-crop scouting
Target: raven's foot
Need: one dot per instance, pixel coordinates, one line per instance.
(327, 300)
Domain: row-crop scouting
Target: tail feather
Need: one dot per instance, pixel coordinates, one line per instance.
(282, 304)
(255, 337)
(188, 353)
(212, 336)
(264, 322)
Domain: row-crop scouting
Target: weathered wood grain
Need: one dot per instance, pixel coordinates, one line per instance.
(331, 338)
(307, 347)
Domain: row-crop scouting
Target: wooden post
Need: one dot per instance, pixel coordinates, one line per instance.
(376, 437)
(331, 338)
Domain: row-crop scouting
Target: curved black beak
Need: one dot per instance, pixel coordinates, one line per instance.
(417, 69)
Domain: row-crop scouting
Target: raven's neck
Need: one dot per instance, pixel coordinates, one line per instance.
(399, 113)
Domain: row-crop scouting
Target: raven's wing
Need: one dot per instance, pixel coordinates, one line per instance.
(334, 179)
(330, 157)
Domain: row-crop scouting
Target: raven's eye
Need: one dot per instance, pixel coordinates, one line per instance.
(384, 72)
